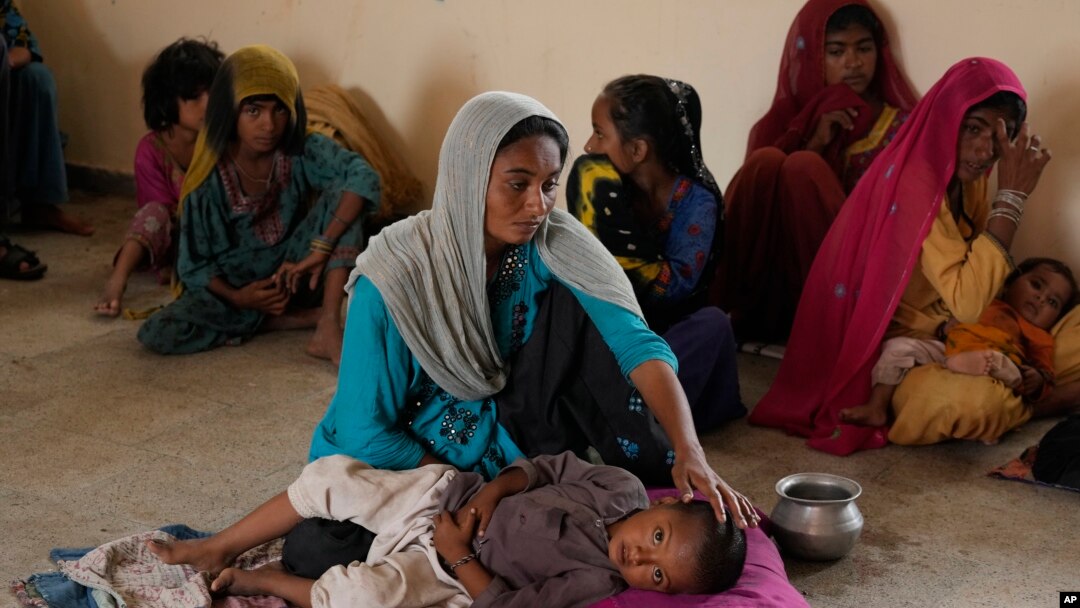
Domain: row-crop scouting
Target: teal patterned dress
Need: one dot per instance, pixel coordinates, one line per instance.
(389, 413)
(226, 234)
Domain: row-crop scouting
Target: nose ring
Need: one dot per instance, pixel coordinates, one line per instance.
(588, 148)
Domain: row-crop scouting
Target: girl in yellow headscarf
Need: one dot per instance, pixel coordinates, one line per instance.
(252, 257)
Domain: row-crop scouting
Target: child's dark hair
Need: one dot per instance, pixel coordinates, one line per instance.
(537, 125)
(1008, 102)
(721, 551)
(1056, 266)
(644, 106)
(222, 112)
(182, 70)
(853, 14)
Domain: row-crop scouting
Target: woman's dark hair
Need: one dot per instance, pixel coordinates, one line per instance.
(182, 70)
(853, 14)
(644, 106)
(721, 551)
(1055, 266)
(1008, 102)
(537, 125)
(222, 111)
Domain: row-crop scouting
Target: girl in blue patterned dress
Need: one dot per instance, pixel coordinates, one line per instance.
(643, 189)
(494, 326)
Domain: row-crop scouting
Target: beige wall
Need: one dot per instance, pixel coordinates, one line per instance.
(413, 62)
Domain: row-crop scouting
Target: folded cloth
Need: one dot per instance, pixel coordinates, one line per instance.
(56, 590)
(125, 573)
(763, 583)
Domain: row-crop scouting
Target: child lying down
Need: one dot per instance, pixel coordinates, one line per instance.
(548, 531)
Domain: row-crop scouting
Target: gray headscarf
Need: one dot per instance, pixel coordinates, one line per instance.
(431, 271)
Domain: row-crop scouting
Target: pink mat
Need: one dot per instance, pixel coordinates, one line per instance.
(763, 584)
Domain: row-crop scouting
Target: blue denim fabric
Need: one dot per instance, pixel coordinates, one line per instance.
(61, 592)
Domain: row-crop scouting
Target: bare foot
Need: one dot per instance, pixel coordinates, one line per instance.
(327, 341)
(234, 581)
(301, 318)
(972, 363)
(865, 415)
(109, 303)
(52, 217)
(200, 553)
(1002, 368)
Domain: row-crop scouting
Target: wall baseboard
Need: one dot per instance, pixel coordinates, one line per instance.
(100, 181)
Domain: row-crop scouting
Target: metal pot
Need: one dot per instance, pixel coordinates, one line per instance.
(816, 517)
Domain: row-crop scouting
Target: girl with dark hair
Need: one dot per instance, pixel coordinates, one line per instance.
(252, 256)
(643, 189)
(495, 326)
(176, 86)
(840, 99)
(917, 243)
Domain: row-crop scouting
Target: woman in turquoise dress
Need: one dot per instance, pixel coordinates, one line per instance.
(494, 326)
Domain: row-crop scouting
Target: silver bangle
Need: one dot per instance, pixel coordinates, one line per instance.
(1012, 198)
(1009, 214)
(461, 562)
(1022, 195)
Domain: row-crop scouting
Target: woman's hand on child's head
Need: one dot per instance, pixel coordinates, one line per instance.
(453, 534)
(694, 473)
(1022, 160)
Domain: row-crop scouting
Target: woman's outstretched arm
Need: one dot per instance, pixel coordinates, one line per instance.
(660, 388)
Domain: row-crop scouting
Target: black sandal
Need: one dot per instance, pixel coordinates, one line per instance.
(14, 257)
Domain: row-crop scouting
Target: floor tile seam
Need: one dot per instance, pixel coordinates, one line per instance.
(64, 500)
(69, 346)
(140, 444)
(80, 489)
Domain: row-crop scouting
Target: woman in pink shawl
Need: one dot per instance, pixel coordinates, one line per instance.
(840, 99)
(916, 243)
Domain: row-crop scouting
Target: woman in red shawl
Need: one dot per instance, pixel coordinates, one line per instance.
(918, 242)
(839, 100)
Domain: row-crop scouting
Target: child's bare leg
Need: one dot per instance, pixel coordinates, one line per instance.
(1002, 368)
(271, 579)
(972, 363)
(327, 341)
(273, 519)
(131, 254)
(876, 410)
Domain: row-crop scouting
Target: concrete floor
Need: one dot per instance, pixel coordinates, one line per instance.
(100, 439)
